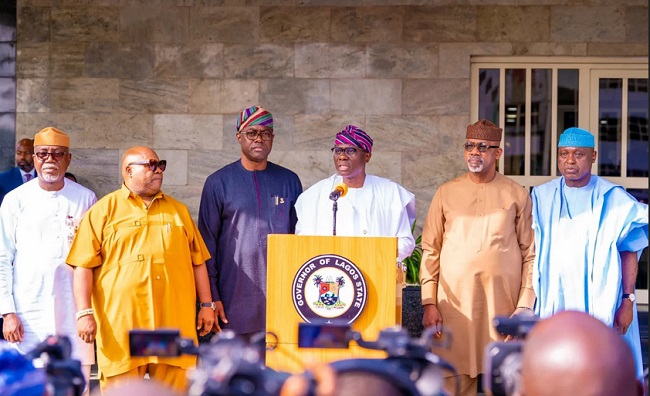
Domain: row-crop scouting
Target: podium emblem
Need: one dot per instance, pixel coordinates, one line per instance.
(329, 287)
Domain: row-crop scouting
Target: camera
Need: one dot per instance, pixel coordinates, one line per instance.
(502, 360)
(331, 335)
(410, 367)
(163, 343)
(228, 365)
(60, 375)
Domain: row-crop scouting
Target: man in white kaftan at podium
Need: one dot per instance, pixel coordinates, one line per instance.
(372, 206)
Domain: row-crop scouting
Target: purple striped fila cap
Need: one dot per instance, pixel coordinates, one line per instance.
(354, 136)
(254, 115)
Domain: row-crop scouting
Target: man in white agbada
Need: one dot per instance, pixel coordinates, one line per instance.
(38, 221)
(589, 235)
(373, 206)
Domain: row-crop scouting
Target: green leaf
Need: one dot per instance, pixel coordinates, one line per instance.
(412, 262)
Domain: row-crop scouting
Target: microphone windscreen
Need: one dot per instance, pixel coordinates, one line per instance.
(343, 188)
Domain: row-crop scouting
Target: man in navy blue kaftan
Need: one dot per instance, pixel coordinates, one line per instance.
(241, 204)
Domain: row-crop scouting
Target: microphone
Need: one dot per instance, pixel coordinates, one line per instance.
(339, 191)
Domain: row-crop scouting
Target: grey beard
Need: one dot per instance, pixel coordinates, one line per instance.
(475, 168)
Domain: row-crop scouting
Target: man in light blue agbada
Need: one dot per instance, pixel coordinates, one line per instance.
(589, 235)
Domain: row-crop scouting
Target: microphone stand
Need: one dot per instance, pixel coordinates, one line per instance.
(334, 196)
(335, 207)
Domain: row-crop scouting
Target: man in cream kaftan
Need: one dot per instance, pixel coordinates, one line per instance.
(477, 257)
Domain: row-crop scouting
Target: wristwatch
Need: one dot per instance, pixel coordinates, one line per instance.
(630, 296)
(212, 305)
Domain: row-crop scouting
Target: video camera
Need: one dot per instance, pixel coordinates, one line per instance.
(60, 375)
(230, 366)
(410, 366)
(502, 360)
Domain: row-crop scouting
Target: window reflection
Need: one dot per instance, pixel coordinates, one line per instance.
(637, 127)
(8, 21)
(488, 98)
(540, 122)
(610, 105)
(568, 95)
(7, 59)
(514, 131)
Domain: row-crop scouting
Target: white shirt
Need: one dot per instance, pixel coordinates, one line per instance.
(36, 231)
(380, 208)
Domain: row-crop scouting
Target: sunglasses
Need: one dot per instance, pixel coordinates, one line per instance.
(482, 147)
(152, 163)
(57, 155)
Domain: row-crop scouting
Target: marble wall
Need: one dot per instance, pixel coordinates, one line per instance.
(173, 74)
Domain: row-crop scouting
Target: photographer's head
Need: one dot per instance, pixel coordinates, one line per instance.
(572, 353)
(328, 382)
(363, 383)
(138, 387)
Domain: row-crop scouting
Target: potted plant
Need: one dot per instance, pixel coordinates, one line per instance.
(412, 310)
(412, 262)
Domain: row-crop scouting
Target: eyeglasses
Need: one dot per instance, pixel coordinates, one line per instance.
(152, 163)
(482, 147)
(349, 151)
(57, 155)
(252, 135)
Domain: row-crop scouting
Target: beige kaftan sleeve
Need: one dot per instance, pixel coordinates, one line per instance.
(432, 236)
(526, 239)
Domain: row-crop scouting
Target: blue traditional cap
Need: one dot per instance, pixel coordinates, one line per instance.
(576, 137)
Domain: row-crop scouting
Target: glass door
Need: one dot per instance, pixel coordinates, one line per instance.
(534, 100)
(619, 114)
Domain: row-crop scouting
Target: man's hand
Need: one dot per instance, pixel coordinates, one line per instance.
(219, 314)
(623, 317)
(12, 329)
(519, 312)
(87, 328)
(432, 317)
(205, 320)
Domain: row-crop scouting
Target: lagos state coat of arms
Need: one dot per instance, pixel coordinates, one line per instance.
(329, 287)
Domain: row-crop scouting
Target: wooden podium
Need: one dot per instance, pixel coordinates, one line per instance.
(287, 274)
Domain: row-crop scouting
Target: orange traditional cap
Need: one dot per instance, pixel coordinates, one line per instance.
(51, 136)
